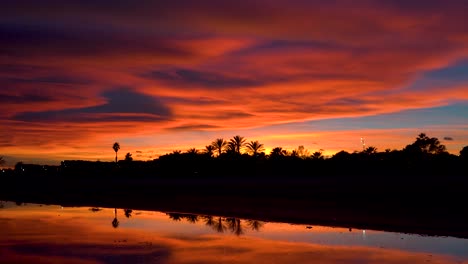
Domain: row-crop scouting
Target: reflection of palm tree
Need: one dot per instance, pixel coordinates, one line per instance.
(175, 216)
(209, 221)
(255, 224)
(115, 222)
(219, 225)
(237, 142)
(116, 148)
(235, 226)
(254, 147)
(128, 213)
(219, 144)
(191, 218)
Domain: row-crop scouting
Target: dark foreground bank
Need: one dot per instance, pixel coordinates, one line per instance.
(435, 206)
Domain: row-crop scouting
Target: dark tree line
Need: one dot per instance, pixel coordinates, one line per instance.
(239, 158)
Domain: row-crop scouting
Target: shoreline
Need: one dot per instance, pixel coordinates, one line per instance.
(424, 211)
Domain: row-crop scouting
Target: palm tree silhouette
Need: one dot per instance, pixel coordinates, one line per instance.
(219, 145)
(209, 149)
(116, 148)
(192, 151)
(255, 224)
(370, 150)
(464, 153)
(254, 147)
(278, 151)
(115, 222)
(237, 143)
(2, 161)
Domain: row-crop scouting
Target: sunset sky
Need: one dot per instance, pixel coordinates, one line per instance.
(157, 76)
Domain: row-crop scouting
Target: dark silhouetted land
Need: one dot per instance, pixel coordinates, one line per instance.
(420, 189)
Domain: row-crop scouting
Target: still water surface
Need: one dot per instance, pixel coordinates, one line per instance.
(53, 234)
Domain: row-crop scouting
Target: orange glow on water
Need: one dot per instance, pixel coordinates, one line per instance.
(76, 235)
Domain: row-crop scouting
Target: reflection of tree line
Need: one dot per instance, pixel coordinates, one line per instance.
(220, 224)
(217, 223)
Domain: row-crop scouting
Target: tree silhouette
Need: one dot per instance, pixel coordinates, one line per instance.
(176, 152)
(301, 152)
(317, 155)
(370, 150)
(219, 145)
(115, 222)
(254, 147)
(116, 148)
(426, 145)
(209, 150)
(294, 153)
(128, 213)
(192, 151)
(237, 143)
(278, 152)
(128, 157)
(342, 156)
(464, 153)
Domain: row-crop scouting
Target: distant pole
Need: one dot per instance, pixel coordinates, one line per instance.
(363, 142)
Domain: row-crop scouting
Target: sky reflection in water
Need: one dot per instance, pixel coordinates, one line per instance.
(52, 234)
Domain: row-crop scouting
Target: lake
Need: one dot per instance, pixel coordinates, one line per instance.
(32, 233)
